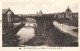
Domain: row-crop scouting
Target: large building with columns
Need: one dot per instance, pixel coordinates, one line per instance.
(67, 14)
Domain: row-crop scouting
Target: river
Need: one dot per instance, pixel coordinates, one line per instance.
(27, 33)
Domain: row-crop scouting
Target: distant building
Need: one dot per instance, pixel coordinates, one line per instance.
(55, 15)
(61, 15)
(67, 14)
(75, 15)
(8, 17)
(40, 13)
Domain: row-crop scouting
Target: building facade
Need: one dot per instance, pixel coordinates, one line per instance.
(67, 14)
(7, 17)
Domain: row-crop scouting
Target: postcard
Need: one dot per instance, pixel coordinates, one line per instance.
(39, 24)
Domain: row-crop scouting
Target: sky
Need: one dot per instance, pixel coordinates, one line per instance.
(33, 6)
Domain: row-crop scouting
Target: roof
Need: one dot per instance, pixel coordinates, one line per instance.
(4, 10)
(68, 9)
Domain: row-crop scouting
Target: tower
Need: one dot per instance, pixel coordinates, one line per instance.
(40, 13)
(10, 16)
(68, 13)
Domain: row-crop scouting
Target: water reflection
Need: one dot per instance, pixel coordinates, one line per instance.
(27, 32)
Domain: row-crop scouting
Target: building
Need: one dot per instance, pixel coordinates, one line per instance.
(61, 15)
(67, 14)
(8, 18)
(40, 13)
(75, 15)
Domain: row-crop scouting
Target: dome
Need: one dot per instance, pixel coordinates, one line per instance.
(68, 10)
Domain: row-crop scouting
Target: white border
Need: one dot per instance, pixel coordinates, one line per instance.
(37, 49)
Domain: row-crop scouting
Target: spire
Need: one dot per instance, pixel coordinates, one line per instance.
(40, 12)
(68, 9)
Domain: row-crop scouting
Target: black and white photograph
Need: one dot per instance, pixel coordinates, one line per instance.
(40, 23)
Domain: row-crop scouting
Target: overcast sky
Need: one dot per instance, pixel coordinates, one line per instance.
(32, 6)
